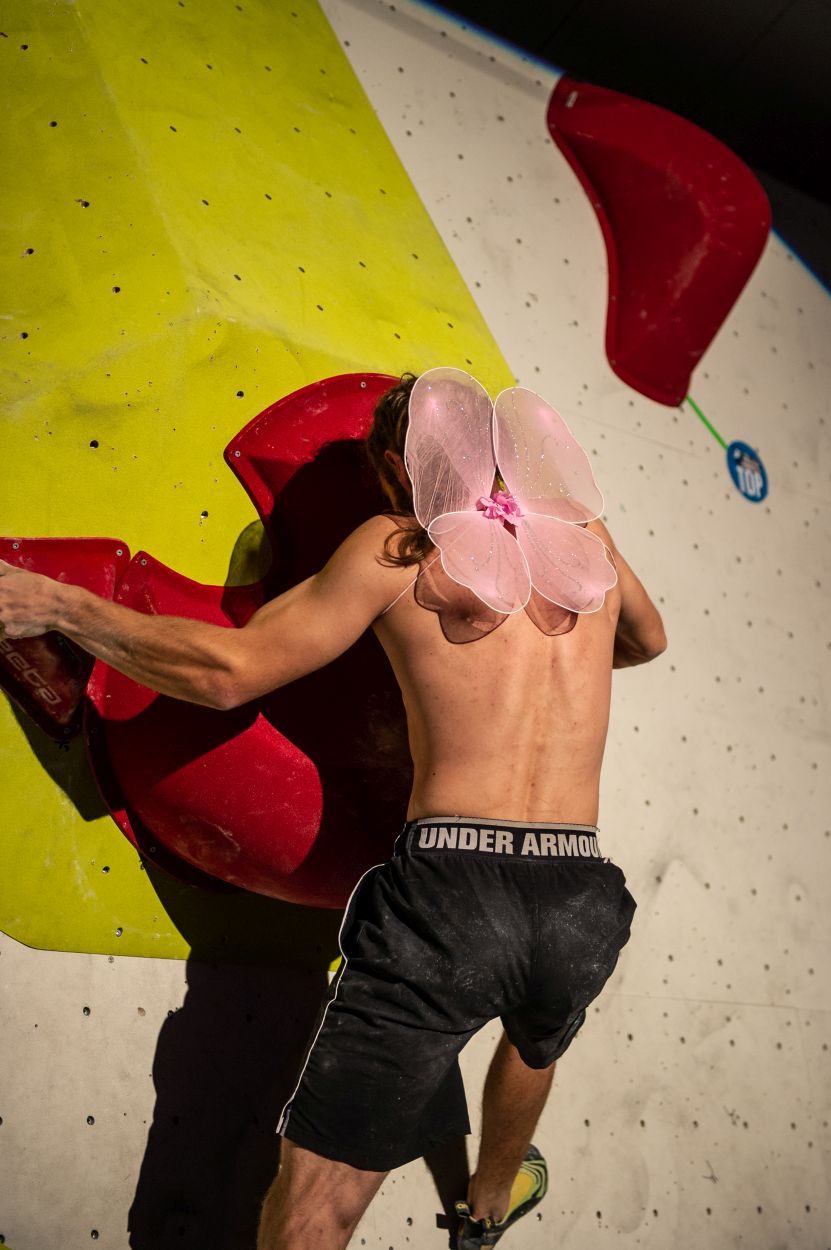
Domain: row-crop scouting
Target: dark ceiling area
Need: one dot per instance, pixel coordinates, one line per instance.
(755, 73)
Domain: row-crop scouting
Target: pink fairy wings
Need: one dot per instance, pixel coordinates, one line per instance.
(502, 545)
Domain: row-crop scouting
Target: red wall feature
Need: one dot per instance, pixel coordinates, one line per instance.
(296, 794)
(684, 221)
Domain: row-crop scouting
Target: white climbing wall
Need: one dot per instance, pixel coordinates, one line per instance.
(693, 1110)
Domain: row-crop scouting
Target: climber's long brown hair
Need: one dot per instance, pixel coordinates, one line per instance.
(389, 430)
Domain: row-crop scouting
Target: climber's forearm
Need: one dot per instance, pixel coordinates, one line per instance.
(186, 659)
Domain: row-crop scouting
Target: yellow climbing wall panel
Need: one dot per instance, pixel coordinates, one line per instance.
(205, 214)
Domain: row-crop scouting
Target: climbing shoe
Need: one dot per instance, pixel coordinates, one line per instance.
(528, 1188)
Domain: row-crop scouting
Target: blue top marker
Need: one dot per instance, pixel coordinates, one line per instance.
(747, 471)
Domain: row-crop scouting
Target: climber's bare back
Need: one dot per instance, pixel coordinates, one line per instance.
(512, 725)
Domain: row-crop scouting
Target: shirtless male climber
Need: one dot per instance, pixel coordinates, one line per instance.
(496, 901)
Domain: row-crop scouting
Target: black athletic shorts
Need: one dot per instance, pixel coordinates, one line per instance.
(470, 920)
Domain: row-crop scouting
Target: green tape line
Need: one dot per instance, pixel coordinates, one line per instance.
(710, 427)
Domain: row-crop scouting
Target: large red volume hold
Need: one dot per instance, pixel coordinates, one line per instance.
(684, 220)
(294, 795)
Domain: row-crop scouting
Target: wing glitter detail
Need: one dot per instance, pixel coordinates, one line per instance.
(482, 555)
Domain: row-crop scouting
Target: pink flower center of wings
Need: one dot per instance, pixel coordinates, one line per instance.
(500, 507)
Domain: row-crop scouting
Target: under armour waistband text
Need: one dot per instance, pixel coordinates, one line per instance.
(519, 841)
